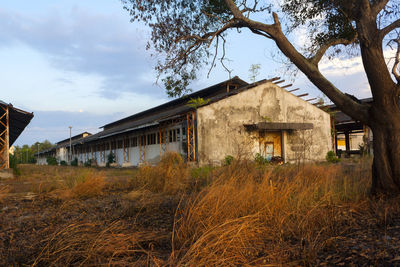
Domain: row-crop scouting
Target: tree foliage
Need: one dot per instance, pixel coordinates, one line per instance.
(189, 35)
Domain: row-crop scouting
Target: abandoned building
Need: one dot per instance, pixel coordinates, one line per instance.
(61, 150)
(351, 136)
(12, 122)
(230, 118)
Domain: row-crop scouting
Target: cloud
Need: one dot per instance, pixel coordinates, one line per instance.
(53, 125)
(88, 43)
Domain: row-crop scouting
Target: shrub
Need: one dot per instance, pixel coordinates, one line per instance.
(63, 163)
(260, 159)
(331, 157)
(74, 162)
(52, 161)
(110, 159)
(228, 160)
(200, 177)
(14, 165)
(88, 163)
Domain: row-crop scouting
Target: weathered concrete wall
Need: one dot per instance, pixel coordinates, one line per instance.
(152, 152)
(221, 131)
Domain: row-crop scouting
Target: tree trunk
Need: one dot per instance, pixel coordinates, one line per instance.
(386, 163)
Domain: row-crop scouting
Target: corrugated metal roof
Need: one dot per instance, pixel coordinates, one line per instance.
(207, 92)
(18, 120)
(167, 111)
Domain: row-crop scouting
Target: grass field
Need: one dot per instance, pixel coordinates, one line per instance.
(174, 215)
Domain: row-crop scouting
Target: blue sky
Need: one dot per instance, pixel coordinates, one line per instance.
(82, 63)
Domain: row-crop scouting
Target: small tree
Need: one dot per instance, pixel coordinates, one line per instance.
(254, 72)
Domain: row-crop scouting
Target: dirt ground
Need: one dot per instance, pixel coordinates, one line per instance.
(29, 220)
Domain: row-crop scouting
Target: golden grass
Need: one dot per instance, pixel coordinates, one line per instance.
(90, 244)
(170, 175)
(247, 216)
(4, 190)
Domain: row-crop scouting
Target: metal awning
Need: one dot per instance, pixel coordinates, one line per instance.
(273, 126)
(17, 119)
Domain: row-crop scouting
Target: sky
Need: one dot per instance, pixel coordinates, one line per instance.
(82, 63)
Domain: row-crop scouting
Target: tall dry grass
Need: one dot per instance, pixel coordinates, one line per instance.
(91, 244)
(171, 175)
(251, 216)
(4, 191)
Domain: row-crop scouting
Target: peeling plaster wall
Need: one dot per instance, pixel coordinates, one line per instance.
(221, 131)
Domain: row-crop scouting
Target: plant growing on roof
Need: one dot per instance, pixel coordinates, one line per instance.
(197, 102)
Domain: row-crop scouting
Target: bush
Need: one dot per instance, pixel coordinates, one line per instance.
(52, 161)
(260, 159)
(110, 159)
(201, 177)
(74, 162)
(331, 157)
(63, 163)
(228, 160)
(13, 165)
(88, 163)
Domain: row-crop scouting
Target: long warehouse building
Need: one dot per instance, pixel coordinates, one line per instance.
(229, 118)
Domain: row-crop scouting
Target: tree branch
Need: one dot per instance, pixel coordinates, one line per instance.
(378, 6)
(320, 53)
(356, 110)
(395, 24)
(395, 69)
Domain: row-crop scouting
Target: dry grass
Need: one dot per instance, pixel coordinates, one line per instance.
(248, 216)
(4, 190)
(171, 175)
(89, 244)
(243, 214)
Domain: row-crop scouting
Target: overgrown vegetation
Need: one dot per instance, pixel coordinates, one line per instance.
(14, 164)
(74, 162)
(171, 215)
(110, 159)
(52, 161)
(331, 157)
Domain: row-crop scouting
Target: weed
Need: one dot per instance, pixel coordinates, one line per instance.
(331, 157)
(228, 160)
(170, 175)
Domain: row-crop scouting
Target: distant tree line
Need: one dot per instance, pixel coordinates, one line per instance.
(26, 154)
